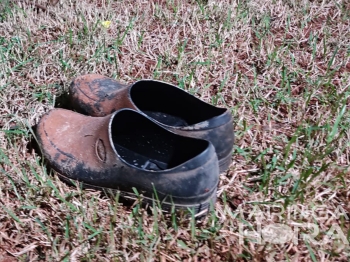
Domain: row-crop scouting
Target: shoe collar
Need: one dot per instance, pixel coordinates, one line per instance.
(190, 164)
(213, 122)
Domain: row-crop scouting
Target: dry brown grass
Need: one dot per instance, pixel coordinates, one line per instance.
(283, 69)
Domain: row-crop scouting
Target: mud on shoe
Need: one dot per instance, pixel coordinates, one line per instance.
(127, 150)
(168, 105)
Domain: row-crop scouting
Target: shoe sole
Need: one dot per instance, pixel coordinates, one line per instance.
(199, 210)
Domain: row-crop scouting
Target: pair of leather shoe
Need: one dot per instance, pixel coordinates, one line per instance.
(149, 138)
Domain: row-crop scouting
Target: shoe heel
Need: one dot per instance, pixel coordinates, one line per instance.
(224, 163)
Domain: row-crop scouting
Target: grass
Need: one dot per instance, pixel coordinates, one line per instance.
(281, 67)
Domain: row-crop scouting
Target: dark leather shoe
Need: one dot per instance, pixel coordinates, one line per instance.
(170, 106)
(128, 150)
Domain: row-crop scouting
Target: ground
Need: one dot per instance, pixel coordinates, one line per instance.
(281, 67)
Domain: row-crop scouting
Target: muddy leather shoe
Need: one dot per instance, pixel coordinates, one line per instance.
(127, 150)
(170, 106)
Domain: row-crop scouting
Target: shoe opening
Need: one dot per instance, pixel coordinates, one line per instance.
(171, 105)
(144, 144)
